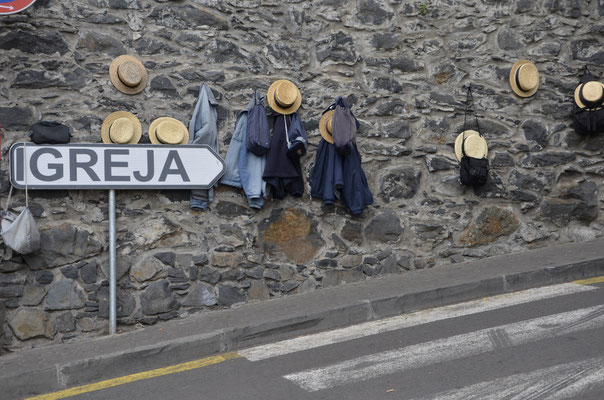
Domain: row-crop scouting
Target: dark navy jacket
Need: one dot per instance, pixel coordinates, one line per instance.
(281, 172)
(340, 177)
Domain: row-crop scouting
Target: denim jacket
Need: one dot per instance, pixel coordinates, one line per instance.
(244, 168)
(203, 130)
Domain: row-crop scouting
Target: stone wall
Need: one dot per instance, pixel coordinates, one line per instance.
(402, 65)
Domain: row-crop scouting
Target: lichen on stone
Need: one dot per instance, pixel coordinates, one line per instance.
(492, 223)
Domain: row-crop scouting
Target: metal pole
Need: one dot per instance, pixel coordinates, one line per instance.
(112, 302)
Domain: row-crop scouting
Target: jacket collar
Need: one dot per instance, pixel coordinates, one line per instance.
(209, 95)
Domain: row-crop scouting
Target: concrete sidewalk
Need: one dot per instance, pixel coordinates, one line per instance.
(57, 367)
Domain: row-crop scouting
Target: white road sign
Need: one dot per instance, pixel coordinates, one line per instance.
(111, 166)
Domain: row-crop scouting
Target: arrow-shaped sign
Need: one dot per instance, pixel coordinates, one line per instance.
(9, 7)
(110, 166)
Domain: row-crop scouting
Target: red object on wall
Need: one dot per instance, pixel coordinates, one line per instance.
(14, 6)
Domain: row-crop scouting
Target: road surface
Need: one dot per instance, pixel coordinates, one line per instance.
(545, 343)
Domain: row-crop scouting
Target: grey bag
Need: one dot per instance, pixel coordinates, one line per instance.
(20, 232)
(344, 130)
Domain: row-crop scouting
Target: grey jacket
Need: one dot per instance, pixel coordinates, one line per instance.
(203, 130)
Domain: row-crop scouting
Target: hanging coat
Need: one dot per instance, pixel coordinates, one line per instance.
(355, 190)
(251, 168)
(244, 168)
(282, 173)
(337, 176)
(327, 178)
(203, 130)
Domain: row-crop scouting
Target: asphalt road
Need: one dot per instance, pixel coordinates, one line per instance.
(543, 343)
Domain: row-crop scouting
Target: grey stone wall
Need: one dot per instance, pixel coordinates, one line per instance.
(401, 65)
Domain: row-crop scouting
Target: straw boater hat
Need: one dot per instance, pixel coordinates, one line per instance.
(474, 145)
(284, 97)
(128, 74)
(167, 130)
(121, 127)
(589, 94)
(326, 127)
(524, 78)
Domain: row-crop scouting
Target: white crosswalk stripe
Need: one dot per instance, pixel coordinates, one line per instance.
(566, 381)
(447, 349)
(408, 320)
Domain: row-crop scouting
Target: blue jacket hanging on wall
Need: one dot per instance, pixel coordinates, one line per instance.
(337, 177)
(328, 174)
(203, 130)
(340, 177)
(244, 168)
(282, 172)
(355, 192)
(297, 140)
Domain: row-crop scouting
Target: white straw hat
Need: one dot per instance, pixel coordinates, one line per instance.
(128, 74)
(167, 130)
(284, 97)
(121, 127)
(524, 78)
(474, 145)
(589, 94)
(326, 127)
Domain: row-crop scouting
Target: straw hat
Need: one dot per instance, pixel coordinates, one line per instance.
(589, 94)
(121, 127)
(284, 97)
(167, 130)
(326, 127)
(128, 74)
(474, 145)
(524, 78)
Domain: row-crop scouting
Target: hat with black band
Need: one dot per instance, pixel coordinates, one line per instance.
(524, 78)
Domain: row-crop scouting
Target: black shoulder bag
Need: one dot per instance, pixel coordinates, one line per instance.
(473, 171)
(49, 132)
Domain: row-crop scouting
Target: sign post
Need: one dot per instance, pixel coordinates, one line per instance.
(110, 166)
(112, 267)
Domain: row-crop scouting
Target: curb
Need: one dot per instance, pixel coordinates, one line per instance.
(363, 305)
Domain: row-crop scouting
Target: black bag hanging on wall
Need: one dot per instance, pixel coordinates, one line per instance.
(588, 120)
(258, 130)
(473, 171)
(49, 132)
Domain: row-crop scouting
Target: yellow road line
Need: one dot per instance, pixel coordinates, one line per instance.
(590, 281)
(204, 362)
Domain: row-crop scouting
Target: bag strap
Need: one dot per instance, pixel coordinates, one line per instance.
(470, 101)
(463, 142)
(286, 133)
(25, 173)
(10, 192)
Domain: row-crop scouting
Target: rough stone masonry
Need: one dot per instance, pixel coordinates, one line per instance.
(401, 65)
